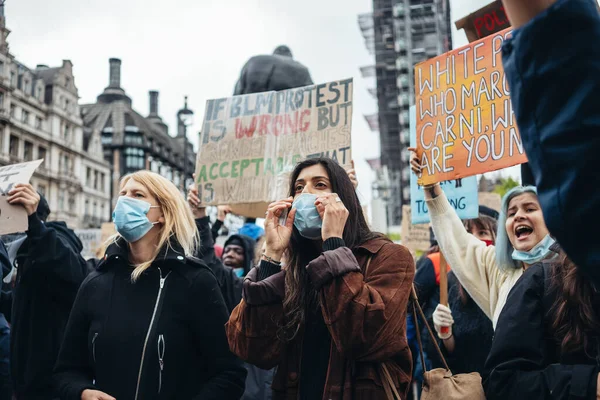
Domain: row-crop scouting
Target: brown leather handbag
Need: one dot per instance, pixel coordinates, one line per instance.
(440, 383)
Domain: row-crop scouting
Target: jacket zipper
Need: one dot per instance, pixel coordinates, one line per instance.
(94, 346)
(161, 362)
(160, 289)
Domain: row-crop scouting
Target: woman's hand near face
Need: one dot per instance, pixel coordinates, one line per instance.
(334, 214)
(277, 237)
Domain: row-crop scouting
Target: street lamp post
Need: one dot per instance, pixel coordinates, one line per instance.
(185, 118)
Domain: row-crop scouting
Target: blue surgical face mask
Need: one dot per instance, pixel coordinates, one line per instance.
(307, 220)
(239, 272)
(539, 252)
(130, 218)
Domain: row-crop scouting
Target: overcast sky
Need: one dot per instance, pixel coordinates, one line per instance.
(197, 48)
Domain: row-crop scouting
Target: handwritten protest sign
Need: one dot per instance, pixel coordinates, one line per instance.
(250, 144)
(14, 218)
(465, 120)
(415, 237)
(462, 193)
(91, 240)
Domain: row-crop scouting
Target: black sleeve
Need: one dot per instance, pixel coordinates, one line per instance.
(559, 123)
(4, 260)
(266, 269)
(73, 373)
(206, 251)
(226, 374)
(52, 255)
(519, 366)
(216, 228)
(425, 283)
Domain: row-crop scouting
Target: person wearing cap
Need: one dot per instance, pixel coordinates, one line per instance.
(48, 270)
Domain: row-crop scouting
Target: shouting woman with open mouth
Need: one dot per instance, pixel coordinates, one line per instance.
(489, 272)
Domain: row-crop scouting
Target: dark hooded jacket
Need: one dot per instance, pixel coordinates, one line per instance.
(229, 283)
(50, 270)
(248, 244)
(272, 72)
(559, 122)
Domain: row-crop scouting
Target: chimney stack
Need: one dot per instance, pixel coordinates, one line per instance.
(153, 103)
(115, 73)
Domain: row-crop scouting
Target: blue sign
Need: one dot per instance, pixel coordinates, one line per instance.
(462, 193)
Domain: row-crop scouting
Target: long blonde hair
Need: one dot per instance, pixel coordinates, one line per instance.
(179, 221)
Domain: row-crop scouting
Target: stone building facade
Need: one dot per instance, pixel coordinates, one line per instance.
(40, 119)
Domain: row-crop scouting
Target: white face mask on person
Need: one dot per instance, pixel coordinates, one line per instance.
(539, 252)
(130, 218)
(307, 220)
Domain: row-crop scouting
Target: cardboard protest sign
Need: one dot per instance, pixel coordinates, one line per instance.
(415, 237)
(465, 120)
(91, 240)
(14, 218)
(484, 22)
(491, 200)
(249, 144)
(462, 193)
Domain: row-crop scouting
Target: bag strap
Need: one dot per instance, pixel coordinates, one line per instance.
(388, 383)
(416, 306)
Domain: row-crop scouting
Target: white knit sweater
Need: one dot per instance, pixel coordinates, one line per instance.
(471, 260)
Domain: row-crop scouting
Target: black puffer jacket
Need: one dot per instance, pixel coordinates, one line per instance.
(525, 362)
(50, 270)
(162, 337)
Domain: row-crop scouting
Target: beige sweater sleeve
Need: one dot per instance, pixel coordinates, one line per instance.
(471, 260)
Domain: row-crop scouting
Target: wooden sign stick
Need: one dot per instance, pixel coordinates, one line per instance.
(443, 285)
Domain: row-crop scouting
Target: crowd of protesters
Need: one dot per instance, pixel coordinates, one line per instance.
(316, 305)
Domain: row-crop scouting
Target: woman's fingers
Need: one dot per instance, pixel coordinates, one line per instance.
(289, 223)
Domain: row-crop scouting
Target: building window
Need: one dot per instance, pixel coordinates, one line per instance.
(67, 82)
(95, 209)
(102, 178)
(14, 146)
(66, 130)
(13, 78)
(1, 67)
(106, 138)
(2, 100)
(28, 153)
(13, 109)
(61, 200)
(39, 93)
(88, 177)
(86, 211)
(26, 86)
(134, 138)
(134, 158)
(96, 180)
(25, 117)
(67, 104)
(42, 154)
(42, 190)
(72, 204)
(38, 123)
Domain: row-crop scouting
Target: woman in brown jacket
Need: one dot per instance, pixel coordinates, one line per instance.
(325, 321)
